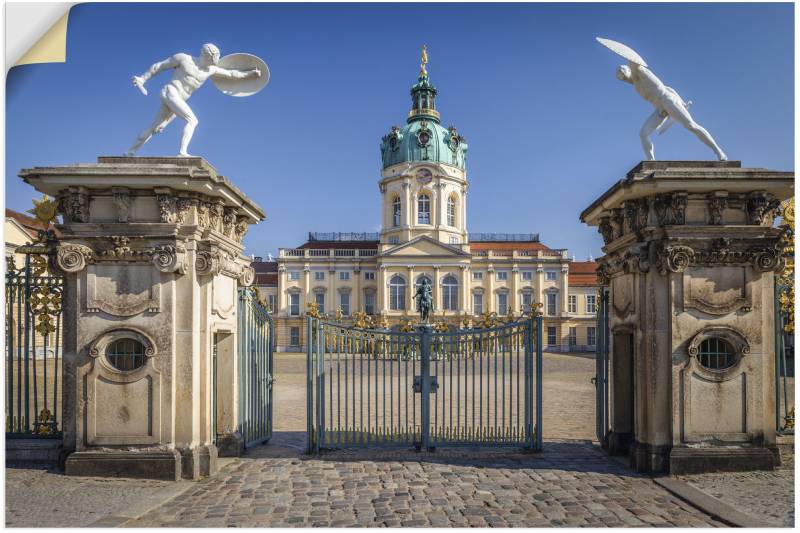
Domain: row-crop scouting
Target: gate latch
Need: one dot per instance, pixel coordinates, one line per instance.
(418, 384)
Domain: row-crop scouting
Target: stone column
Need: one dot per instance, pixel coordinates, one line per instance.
(438, 304)
(563, 287)
(382, 303)
(465, 304)
(355, 298)
(690, 261)
(489, 303)
(152, 255)
(307, 297)
(514, 300)
(411, 290)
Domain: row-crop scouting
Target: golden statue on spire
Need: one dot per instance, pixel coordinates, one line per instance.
(423, 71)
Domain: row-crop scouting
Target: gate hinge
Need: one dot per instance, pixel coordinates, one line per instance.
(433, 382)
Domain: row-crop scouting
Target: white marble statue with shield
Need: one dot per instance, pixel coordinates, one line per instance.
(670, 107)
(234, 75)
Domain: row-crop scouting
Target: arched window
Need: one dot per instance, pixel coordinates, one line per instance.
(451, 212)
(424, 209)
(450, 293)
(397, 293)
(125, 354)
(396, 212)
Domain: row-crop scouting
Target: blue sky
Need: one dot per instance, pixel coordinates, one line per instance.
(548, 125)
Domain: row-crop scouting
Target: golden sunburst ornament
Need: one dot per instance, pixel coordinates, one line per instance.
(45, 210)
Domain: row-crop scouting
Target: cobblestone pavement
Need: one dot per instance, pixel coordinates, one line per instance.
(765, 495)
(571, 484)
(40, 497)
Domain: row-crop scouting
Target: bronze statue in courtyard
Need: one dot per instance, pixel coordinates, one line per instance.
(424, 298)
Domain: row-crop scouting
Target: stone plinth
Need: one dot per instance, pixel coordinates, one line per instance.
(152, 251)
(690, 261)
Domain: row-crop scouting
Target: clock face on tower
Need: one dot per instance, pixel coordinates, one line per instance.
(424, 176)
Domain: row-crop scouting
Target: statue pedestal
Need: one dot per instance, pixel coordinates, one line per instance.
(689, 266)
(152, 252)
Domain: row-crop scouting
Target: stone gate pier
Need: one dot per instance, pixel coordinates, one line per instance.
(689, 266)
(152, 251)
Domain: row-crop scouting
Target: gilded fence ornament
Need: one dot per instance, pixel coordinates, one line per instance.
(313, 310)
(785, 279)
(45, 305)
(384, 321)
(360, 320)
(339, 314)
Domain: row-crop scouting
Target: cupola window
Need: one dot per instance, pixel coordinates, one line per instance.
(396, 211)
(451, 212)
(424, 209)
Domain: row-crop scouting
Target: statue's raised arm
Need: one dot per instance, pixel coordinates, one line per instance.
(234, 75)
(667, 102)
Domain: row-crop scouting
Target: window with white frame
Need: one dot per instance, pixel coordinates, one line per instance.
(454, 239)
(423, 209)
(591, 303)
(451, 211)
(527, 300)
(394, 239)
(527, 275)
(293, 275)
(551, 303)
(369, 302)
(572, 303)
(572, 337)
(502, 303)
(550, 275)
(397, 293)
(501, 275)
(477, 303)
(369, 275)
(319, 276)
(450, 293)
(344, 303)
(344, 276)
(551, 336)
(477, 275)
(319, 297)
(294, 304)
(294, 336)
(271, 302)
(396, 212)
(591, 335)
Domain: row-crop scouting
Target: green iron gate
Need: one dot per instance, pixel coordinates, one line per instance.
(380, 388)
(256, 341)
(600, 379)
(33, 344)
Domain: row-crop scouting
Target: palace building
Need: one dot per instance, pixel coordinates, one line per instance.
(423, 193)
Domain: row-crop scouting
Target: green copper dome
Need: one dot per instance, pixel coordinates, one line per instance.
(423, 138)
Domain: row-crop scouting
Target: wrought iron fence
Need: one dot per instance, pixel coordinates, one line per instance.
(784, 371)
(380, 388)
(256, 343)
(33, 345)
(600, 379)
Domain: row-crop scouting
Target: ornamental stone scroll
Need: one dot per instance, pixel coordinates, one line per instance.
(73, 258)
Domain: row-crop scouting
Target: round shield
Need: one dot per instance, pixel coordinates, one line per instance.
(243, 86)
(622, 50)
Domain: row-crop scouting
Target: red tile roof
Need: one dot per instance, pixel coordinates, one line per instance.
(583, 274)
(30, 224)
(266, 273)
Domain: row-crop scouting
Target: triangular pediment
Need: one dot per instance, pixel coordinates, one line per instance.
(424, 246)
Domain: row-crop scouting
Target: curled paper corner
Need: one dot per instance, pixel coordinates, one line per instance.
(36, 33)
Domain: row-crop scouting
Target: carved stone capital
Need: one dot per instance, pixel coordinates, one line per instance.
(675, 258)
(74, 205)
(241, 228)
(715, 203)
(761, 207)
